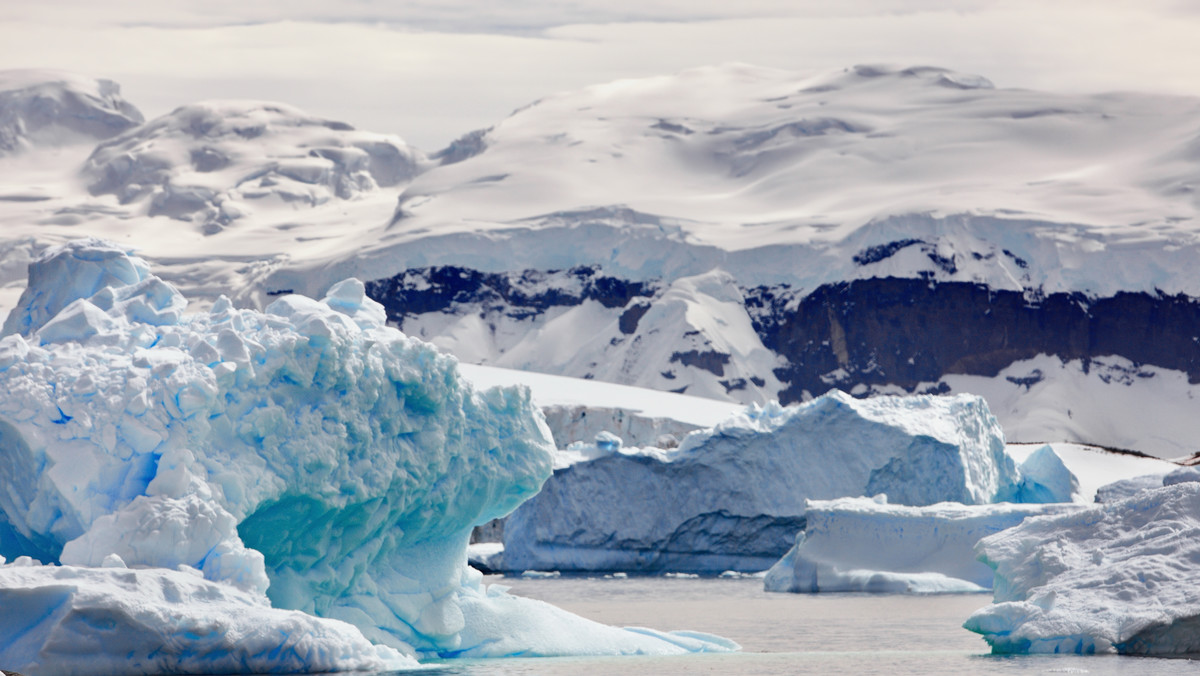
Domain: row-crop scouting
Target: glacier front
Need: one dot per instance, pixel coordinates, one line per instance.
(1115, 578)
(733, 497)
(306, 451)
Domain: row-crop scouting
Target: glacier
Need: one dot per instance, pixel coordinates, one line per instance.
(867, 545)
(733, 497)
(1115, 578)
(307, 452)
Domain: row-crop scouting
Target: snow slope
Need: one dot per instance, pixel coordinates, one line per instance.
(578, 409)
(776, 177)
(1112, 401)
(46, 109)
(211, 163)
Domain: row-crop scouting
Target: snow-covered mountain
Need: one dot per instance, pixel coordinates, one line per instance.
(729, 232)
(209, 163)
(40, 108)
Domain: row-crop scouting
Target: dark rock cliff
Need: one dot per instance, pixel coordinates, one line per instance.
(443, 288)
(873, 332)
(908, 331)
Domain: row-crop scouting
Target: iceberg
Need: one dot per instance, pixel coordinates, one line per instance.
(867, 545)
(734, 496)
(74, 621)
(1114, 578)
(306, 451)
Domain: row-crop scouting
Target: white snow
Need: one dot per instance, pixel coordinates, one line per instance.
(1118, 577)
(782, 177)
(211, 163)
(769, 175)
(733, 497)
(867, 545)
(308, 444)
(561, 391)
(1110, 401)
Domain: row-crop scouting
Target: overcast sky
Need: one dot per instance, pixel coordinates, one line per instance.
(431, 70)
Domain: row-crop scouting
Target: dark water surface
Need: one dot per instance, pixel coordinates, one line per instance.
(889, 635)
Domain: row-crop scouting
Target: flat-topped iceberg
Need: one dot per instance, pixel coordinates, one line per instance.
(1117, 577)
(867, 545)
(307, 447)
(733, 497)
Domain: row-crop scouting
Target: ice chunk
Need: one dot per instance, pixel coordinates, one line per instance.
(1125, 488)
(1181, 475)
(1117, 577)
(607, 441)
(733, 497)
(73, 621)
(1044, 478)
(168, 533)
(71, 272)
(867, 545)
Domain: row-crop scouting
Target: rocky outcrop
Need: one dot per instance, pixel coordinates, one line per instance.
(445, 288)
(858, 336)
(907, 332)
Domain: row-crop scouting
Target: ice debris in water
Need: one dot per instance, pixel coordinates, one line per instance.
(308, 446)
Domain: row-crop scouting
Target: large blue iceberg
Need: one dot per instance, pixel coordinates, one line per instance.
(733, 497)
(307, 451)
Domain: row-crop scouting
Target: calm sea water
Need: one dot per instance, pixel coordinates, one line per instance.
(890, 635)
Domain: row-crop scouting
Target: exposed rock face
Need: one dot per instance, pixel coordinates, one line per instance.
(444, 288)
(907, 331)
(867, 333)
